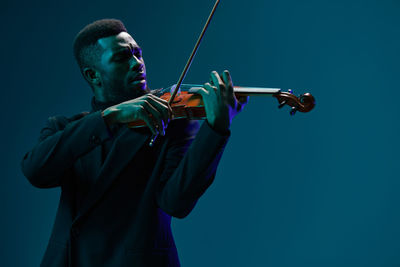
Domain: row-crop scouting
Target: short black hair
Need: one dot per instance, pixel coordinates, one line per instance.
(86, 50)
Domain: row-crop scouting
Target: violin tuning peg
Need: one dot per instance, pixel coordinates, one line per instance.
(293, 111)
(282, 104)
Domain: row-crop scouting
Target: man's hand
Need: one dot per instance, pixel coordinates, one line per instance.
(153, 110)
(220, 103)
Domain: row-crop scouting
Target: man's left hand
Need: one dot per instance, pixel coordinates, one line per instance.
(220, 102)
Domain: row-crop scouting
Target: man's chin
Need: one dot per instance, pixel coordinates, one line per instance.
(138, 88)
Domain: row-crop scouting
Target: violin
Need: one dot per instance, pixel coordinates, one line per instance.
(191, 106)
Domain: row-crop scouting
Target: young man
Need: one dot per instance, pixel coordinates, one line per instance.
(117, 193)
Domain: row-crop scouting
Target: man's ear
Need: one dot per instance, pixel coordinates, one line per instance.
(92, 76)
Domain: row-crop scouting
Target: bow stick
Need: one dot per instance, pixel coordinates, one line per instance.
(188, 63)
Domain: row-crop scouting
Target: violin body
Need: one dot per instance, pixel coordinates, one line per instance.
(185, 105)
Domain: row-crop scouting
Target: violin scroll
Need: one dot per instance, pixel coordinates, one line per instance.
(304, 103)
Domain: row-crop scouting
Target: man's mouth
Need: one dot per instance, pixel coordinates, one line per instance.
(139, 77)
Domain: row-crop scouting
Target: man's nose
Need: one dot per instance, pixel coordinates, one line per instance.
(136, 62)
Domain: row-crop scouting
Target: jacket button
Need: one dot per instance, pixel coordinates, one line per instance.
(95, 140)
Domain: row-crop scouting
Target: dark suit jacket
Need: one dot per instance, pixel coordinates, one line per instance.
(116, 211)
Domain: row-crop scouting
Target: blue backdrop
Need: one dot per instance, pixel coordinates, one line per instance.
(316, 189)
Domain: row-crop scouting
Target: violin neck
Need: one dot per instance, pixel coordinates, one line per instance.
(238, 90)
(255, 91)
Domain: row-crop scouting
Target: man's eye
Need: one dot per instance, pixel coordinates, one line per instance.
(123, 56)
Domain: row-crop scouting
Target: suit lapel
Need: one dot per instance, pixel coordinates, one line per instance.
(123, 150)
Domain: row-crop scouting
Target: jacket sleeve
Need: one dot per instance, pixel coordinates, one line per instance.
(190, 167)
(62, 141)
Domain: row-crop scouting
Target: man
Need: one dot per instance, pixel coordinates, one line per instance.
(117, 193)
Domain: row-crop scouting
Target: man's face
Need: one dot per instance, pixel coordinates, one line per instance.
(122, 69)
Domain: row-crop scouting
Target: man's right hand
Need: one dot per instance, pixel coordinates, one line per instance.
(153, 110)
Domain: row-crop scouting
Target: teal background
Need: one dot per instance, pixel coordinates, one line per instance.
(316, 189)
